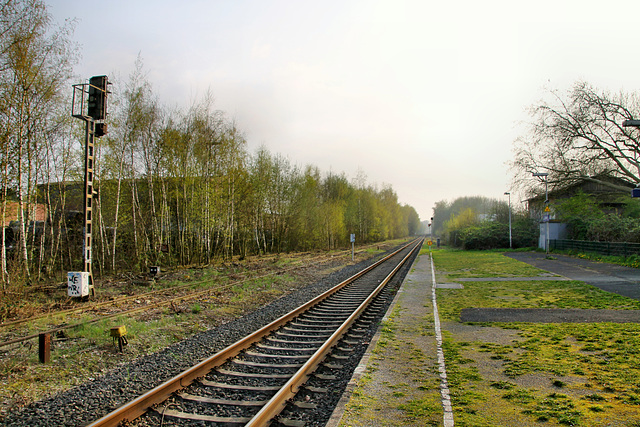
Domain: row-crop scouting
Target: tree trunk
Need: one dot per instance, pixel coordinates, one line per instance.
(117, 209)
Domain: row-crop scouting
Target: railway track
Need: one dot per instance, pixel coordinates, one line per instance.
(278, 374)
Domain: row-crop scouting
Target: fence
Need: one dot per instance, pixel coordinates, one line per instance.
(602, 248)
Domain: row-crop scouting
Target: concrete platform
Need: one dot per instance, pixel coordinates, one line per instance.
(399, 364)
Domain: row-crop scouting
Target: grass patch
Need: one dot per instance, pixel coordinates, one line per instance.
(529, 294)
(461, 373)
(422, 409)
(459, 264)
(555, 406)
(566, 360)
(503, 385)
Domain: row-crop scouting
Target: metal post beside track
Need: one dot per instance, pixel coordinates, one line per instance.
(90, 105)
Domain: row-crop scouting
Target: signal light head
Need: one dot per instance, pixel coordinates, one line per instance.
(97, 104)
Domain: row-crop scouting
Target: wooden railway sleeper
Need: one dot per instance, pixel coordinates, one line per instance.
(322, 322)
(287, 422)
(325, 376)
(198, 417)
(208, 383)
(339, 357)
(286, 334)
(293, 349)
(266, 365)
(332, 365)
(340, 305)
(317, 344)
(315, 331)
(318, 324)
(251, 375)
(276, 356)
(340, 318)
(202, 399)
(355, 336)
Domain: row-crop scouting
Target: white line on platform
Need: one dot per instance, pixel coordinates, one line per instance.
(444, 384)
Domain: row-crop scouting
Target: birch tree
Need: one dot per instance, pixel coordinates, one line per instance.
(35, 66)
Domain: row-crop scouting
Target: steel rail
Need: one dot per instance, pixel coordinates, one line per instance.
(139, 406)
(278, 402)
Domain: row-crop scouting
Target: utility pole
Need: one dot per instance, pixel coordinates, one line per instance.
(94, 96)
(547, 215)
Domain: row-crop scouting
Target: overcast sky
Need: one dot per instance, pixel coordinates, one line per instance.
(427, 96)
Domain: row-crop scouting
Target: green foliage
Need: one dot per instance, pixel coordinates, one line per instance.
(444, 211)
(486, 235)
(524, 231)
(483, 223)
(579, 212)
(177, 186)
(588, 221)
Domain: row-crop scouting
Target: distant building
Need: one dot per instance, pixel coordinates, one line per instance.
(607, 195)
(607, 191)
(38, 213)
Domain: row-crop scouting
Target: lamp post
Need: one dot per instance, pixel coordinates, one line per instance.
(431, 230)
(546, 207)
(510, 241)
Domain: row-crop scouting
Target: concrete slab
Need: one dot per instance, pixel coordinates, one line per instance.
(511, 279)
(548, 315)
(608, 277)
(449, 286)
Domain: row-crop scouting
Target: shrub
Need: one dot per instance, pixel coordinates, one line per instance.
(495, 235)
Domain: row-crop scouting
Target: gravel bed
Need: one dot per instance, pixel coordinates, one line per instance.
(92, 400)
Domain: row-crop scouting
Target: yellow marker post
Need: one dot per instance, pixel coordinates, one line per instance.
(118, 333)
